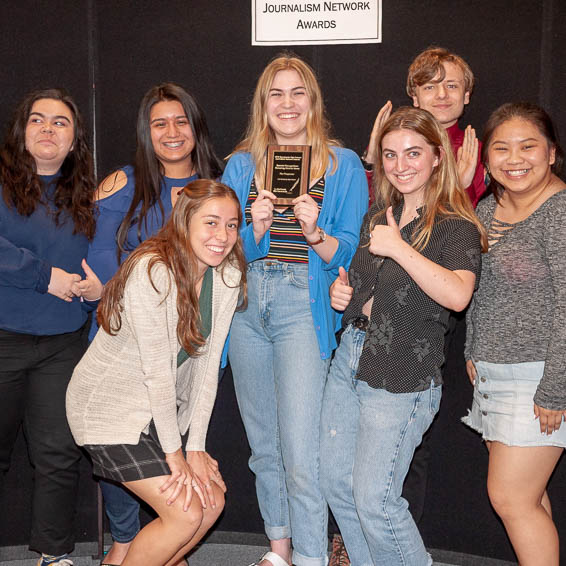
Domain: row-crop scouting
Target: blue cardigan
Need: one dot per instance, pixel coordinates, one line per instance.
(343, 207)
(29, 247)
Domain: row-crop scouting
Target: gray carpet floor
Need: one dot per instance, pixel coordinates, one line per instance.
(224, 549)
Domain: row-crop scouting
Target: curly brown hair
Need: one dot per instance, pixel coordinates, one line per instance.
(21, 186)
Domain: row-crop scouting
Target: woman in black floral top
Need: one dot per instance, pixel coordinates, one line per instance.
(418, 259)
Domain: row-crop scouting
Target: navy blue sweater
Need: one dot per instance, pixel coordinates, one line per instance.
(29, 247)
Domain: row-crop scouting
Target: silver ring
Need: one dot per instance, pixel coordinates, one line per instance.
(370, 234)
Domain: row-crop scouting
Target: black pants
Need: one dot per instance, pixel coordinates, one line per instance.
(34, 374)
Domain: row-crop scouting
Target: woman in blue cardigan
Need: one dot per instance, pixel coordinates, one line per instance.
(173, 148)
(46, 222)
(281, 345)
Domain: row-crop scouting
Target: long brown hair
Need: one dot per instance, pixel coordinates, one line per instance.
(149, 171)
(259, 134)
(21, 186)
(443, 195)
(171, 247)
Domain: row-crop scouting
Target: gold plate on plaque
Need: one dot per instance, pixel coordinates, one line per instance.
(287, 173)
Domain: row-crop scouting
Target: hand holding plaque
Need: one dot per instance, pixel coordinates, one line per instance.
(287, 173)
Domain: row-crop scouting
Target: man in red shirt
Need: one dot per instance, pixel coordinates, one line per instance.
(442, 82)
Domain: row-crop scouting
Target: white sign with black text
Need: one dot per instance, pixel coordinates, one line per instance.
(314, 22)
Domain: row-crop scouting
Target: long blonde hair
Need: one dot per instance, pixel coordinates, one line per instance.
(444, 195)
(258, 133)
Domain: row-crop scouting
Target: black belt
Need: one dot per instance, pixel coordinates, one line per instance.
(361, 322)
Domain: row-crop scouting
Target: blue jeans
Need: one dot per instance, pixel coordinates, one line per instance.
(123, 511)
(279, 380)
(368, 437)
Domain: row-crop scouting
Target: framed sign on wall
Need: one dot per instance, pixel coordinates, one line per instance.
(315, 22)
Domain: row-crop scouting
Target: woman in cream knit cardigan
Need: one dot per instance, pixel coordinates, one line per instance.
(150, 376)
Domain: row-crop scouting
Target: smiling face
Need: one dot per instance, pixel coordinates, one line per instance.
(213, 231)
(172, 137)
(408, 162)
(50, 132)
(288, 107)
(520, 157)
(446, 99)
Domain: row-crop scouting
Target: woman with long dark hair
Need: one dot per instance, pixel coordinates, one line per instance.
(516, 326)
(46, 222)
(173, 148)
(140, 399)
(418, 259)
(280, 347)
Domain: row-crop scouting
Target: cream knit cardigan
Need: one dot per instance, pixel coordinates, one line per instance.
(124, 381)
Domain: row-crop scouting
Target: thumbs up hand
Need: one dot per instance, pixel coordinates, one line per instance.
(340, 291)
(89, 288)
(386, 239)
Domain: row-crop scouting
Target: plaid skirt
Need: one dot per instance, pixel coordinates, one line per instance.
(130, 462)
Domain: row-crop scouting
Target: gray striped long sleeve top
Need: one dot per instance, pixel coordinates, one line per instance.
(518, 313)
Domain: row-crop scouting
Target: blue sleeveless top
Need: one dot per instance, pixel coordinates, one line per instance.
(102, 251)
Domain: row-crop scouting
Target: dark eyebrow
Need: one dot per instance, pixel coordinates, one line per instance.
(520, 141)
(60, 117)
(160, 119)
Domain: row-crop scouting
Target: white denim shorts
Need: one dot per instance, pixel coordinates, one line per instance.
(502, 408)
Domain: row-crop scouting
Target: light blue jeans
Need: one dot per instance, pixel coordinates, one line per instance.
(368, 437)
(279, 379)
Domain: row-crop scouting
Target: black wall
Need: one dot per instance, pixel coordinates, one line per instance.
(108, 53)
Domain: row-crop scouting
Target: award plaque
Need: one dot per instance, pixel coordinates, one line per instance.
(287, 173)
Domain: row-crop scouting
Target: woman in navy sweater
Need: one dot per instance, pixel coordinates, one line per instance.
(46, 222)
(173, 149)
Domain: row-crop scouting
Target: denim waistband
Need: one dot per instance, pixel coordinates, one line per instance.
(263, 265)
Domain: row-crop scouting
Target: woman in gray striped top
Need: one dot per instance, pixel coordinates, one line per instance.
(517, 326)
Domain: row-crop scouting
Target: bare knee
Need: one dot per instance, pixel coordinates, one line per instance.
(211, 514)
(500, 500)
(508, 504)
(184, 523)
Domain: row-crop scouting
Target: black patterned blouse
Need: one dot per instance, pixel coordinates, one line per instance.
(404, 344)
